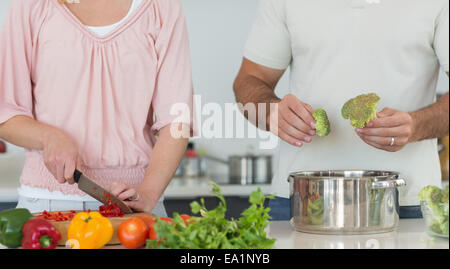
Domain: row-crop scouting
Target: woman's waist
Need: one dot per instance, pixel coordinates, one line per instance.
(36, 174)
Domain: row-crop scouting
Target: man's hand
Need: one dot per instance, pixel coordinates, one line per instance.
(295, 121)
(390, 124)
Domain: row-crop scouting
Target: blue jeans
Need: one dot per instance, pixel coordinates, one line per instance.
(280, 210)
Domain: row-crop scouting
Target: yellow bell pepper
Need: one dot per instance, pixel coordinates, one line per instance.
(89, 231)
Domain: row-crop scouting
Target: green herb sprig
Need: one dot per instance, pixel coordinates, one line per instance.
(213, 231)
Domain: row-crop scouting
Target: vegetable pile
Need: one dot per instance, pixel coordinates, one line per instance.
(212, 230)
(92, 230)
(435, 201)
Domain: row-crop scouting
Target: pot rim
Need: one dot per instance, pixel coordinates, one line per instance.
(341, 174)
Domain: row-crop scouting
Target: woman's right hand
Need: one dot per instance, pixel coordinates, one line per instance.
(296, 124)
(60, 156)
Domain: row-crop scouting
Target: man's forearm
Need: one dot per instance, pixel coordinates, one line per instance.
(252, 90)
(26, 132)
(431, 122)
(166, 156)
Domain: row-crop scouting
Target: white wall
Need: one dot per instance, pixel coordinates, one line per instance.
(218, 30)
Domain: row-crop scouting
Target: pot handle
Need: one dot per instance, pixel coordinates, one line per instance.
(395, 183)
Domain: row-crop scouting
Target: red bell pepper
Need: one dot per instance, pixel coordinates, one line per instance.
(39, 233)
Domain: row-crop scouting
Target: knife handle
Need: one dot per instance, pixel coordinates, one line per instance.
(76, 176)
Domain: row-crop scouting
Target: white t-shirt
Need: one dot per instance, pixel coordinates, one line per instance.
(338, 49)
(102, 31)
(39, 193)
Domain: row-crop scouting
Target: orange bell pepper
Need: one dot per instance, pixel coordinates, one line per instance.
(89, 231)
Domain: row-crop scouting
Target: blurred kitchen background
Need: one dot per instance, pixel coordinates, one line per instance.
(218, 30)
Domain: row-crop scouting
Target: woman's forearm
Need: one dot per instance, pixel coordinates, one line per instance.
(166, 157)
(26, 132)
(60, 152)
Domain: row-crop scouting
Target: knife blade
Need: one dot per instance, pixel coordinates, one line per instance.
(98, 192)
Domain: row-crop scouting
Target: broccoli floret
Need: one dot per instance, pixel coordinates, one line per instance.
(437, 203)
(444, 227)
(444, 198)
(439, 213)
(431, 195)
(361, 109)
(436, 228)
(323, 126)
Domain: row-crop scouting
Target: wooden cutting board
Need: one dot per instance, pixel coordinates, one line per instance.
(63, 227)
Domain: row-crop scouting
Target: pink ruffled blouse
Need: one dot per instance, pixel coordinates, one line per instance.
(110, 94)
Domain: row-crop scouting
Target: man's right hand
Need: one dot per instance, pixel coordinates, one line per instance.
(60, 156)
(295, 121)
(292, 121)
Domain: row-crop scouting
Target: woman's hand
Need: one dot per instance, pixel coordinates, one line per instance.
(392, 131)
(295, 121)
(60, 156)
(136, 199)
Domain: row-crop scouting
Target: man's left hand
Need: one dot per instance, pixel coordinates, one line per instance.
(391, 131)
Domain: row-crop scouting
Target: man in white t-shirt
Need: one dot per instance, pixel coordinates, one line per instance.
(336, 50)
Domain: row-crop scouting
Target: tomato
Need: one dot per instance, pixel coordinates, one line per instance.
(167, 220)
(152, 235)
(133, 233)
(187, 219)
(148, 220)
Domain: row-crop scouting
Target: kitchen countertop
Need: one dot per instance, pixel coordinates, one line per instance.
(410, 235)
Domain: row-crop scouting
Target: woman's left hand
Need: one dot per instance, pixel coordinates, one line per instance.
(134, 198)
(392, 131)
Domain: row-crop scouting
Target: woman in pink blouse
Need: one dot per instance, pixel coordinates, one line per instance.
(92, 85)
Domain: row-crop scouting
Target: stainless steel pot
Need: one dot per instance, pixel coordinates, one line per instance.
(247, 169)
(262, 169)
(241, 170)
(345, 202)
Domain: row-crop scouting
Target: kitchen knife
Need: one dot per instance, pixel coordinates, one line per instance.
(98, 192)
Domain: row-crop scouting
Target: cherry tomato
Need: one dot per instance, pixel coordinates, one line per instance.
(167, 220)
(152, 235)
(148, 220)
(187, 219)
(133, 233)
